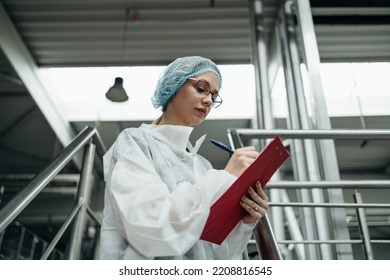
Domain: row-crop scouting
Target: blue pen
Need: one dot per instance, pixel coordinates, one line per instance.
(222, 146)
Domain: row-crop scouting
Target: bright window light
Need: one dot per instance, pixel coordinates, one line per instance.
(81, 92)
(350, 89)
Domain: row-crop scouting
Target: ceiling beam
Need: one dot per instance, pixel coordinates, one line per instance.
(26, 68)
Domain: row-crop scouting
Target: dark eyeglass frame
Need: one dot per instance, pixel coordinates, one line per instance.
(215, 97)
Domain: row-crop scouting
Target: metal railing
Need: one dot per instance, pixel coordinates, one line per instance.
(90, 140)
(21, 243)
(270, 250)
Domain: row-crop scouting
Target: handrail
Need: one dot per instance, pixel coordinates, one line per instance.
(350, 241)
(342, 184)
(330, 205)
(11, 210)
(356, 134)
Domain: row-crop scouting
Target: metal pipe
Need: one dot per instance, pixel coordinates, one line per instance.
(277, 195)
(83, 197)
(321, 241)
(277, 184)
(1, 193)
(331, 205)
(1, 238)
(293, 225)
(33, 244)
(100, 147)
(361, 215)
(369, 134)
(343, 184)
(20, 244)
(313, 169)
(264, 104)
(255, 60)
(380, 241)
(93, 216)
(265, 241)
(350, 241)
(299, 158)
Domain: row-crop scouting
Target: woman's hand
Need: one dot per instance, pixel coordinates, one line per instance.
(240, 160)
(256, 204)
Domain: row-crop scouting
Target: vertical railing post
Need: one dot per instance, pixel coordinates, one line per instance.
(321, 120)
(265, 241)
(20, 244)
(293, 80)
(33, 245)
(1, 239)
(1, 193)
(83, 197)
(362, 221)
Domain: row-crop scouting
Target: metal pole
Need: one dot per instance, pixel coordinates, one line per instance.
(322, 120)
(20, 244)
(264, 108)
(1, 193)
(265, 241)
(365, 233)
(353, 134)
(299, 159)
(83, 198)
(331, 205)
(351, 241)
(312, 165)
(293, 225)
(252, 4)
(33, 245)
(291, 219)
(343, 184)
(1, 239)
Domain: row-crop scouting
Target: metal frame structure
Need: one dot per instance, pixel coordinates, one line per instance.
(242, 135)
(292, 46)
(88, 139)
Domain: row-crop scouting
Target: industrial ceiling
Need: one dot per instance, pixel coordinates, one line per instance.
(59, 33)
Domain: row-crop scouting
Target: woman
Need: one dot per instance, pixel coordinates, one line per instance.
(159, 190)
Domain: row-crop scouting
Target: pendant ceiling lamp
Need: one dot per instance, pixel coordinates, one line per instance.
(117, 93)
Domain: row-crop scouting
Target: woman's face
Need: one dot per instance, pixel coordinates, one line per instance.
(189, 107)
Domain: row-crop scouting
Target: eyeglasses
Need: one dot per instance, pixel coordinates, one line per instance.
(202, 87)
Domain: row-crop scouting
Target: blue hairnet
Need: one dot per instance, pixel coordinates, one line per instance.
(177, 73)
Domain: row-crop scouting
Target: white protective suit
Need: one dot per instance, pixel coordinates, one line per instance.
(158, 198)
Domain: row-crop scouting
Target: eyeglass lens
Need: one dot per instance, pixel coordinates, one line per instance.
(203, 88)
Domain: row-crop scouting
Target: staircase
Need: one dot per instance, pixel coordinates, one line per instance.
(19, 243)
(76, 230)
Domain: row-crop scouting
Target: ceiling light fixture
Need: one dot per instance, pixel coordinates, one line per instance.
(117, 93)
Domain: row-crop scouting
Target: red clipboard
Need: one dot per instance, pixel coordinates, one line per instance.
(227, 212)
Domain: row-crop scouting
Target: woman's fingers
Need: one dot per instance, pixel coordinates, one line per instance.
(240, 160)
(259, 195)
(256, 204)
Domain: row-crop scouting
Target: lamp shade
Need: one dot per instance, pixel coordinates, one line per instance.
(117, 93)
